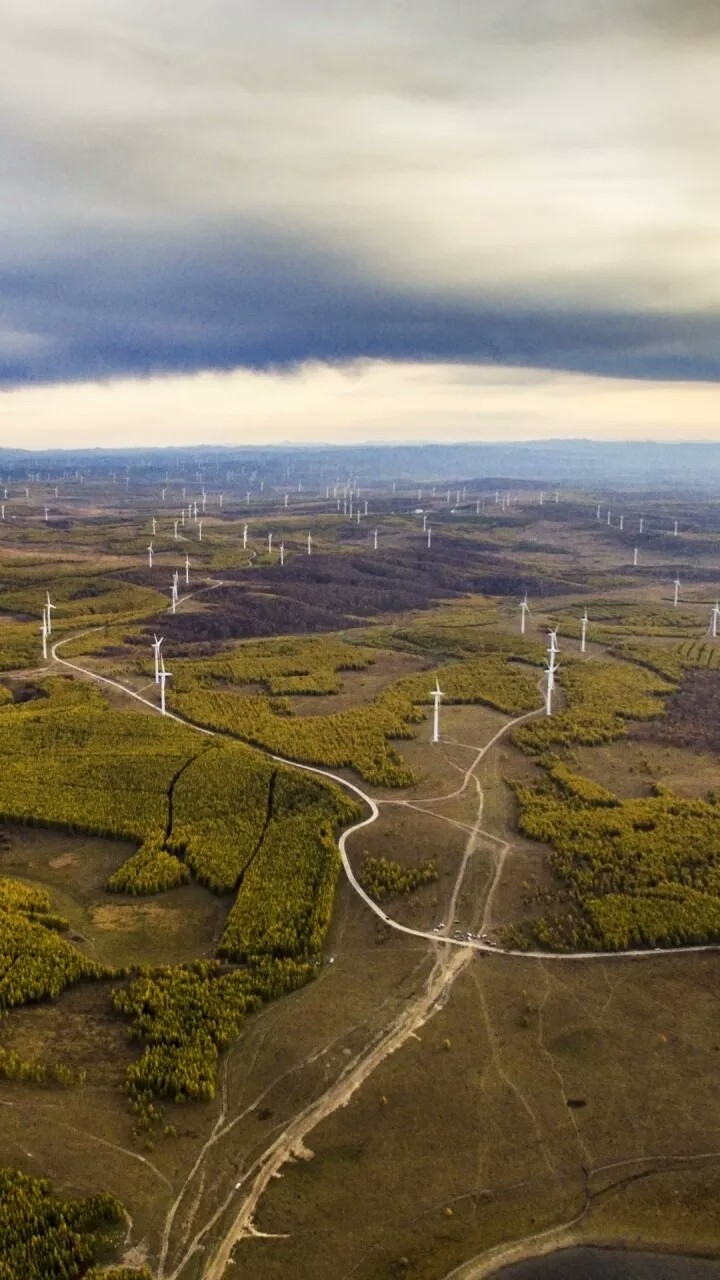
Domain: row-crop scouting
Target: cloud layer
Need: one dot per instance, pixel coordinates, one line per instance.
(207, 186)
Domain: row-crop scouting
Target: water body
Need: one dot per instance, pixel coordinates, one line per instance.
(611, 1264)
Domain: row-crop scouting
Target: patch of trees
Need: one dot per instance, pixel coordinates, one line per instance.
(383, 878)
(45, 1238)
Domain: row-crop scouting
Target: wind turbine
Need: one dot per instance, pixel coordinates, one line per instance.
(425, 522)
(44, 632)
(156, 645)
(48, 607)
(46, 514)
(622, 521)
(677, 592)
(715, 614)
(175, 526)
(641, 523)
(270, 543)
(2, 511)
(164, 675)
(309, 544)
(150, 553)
(154, 526)
(551, 670)
(375, 540)
(437, 694)
(429, 537)
(608, 515)
(675, 529)
(524, 610)
(200, 525)
(187, 569)
(282, 554)
(597, 513)
(245, 537)
(635, 558)
(583, 630)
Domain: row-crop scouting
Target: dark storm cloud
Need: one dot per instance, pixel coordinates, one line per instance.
(210, 186)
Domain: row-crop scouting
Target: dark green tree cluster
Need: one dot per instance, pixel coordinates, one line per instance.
(45, 1238)
(637, 873)
(34, 961)
(382, 878)
(284, 903)
(601, 698)
(187, 1015)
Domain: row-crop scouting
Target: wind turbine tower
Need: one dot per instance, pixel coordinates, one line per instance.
(583, 631)
(375, 540)
(309, 544)
(551, 670)
(714, 620)
(164, 675)
(437, 695)
(524, 610)
(676, 595)
(245, 537)
(150, 553)
(44, 632)
(48, 607)
(429, 537)
(635, 558)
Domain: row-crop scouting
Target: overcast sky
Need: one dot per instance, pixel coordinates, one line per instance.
(308, 219)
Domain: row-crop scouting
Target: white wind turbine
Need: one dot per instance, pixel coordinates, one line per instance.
(48, 607)
(187, 569)
(150, 553)
(437, 695)
(597, 513)
(174, 593)
(156, 646)
(676, 594)
(551, 670)
(282, 554)
(44, 633)
(309, 544)
(175, 528)
(47, 517)
(429, 536)
(583, 631)
(641, 524)
(200, 525)
(164, 675)
(154, 526)
(714, 615)
(524, 611)
(375, 540)
(245, 537)
(270, 543)
(635, 558)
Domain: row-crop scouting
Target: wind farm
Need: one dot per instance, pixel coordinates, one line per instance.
(397, 796)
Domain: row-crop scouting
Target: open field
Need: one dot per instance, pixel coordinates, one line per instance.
(424, 1100)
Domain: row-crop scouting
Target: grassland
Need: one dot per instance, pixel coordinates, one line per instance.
(424, 1105)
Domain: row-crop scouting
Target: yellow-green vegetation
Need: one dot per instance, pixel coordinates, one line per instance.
(459, 633)
(383, 878)
(601, 698)
(638, 872)
(357, 738)
(20, 646)
(5, 695)
(151, 870)
(304, 666)
(611, 620)
(45, 1238)
(284, 904)
(14, 1067)
(69, 760)
(34, 961)
(699, 653)
(84, 601)
(186, 1016)
(221, 805)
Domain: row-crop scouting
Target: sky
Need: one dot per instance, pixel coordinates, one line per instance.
(237, 221)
